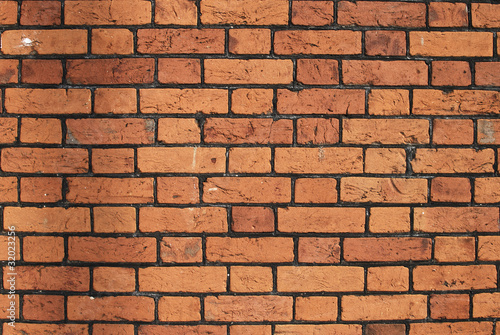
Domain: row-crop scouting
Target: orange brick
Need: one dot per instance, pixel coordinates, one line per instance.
(385, 43)
(179, 12)
(114, 279)
(385, 131)
(381, 14)
(8, 188)
(115, 101)
(251, 279)
(42, 189)
(43, 307)
(120, 308)
(446, 189)
(247, 190)
(320, 278)
(384, 73)
(248, 12)
(114, 220)
(249, 250)
(48, 220)
(386, 329)
(45, 42)
(8, 70)
(35, 130)
(320, 329)
(249, 41)
(316, 308)
(382, 160)
(183, 279)
(46, 329)
(180, 41)
(387, 249)
(181, 250)
(249, 160)
(321, 101)
(51, 278)
(8, 10)
(252, 219)
(485, 305)
(252, 101)
(312, 13)
(183, 101)
(383, 190)
(317, 131)
(447, 328)
(12, 242)
(317, 42)
(254, 131)
(321, 220)
(445, 131)
(43, 249)
(8, 130)
(454, 277)
(485, 15)
(450, 73)
(173, 130)
(179, 71)
(389, 219)
(487, 73)
(488, 248)
(453, 161)
(114, 250)
(451, 44)
(177, 309)
(385, 307)
(112, 41)
(317, 71)
(250, 330)
(389, 102)
(177, 190)
(110, 71)
(455, 220)
(181, 330)
(41, 71)
(457, 102)
(316, 190)
(48, 101)
(486, 190)
(454, 249)
(445, 14)
(248, 308)
(113, 160)
(388, 278)
(253, 71)
(192, 220)
(107, 12)
(449, 306)
(319, 250)
(117, 329)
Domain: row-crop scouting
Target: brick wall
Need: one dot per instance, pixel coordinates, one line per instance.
(250, 167)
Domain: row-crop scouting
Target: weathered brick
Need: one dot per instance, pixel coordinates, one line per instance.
(451, 44)
(107, 12)
(385, 329)
(114, 220)
(176, 309)
(248, 308)
(445, 14)
(181, 160)
(110, 160)
(45, 160)
(177, 130)
(447, 189)
(383, 190)
(250, 330)
(250, 160)
(181, 250)
(384, 73)
(454, 277)
(41, 189)
(8, 71)
(488, 131)
(113, 42)
(40, 13)
(110, 71)
(389, 102)
(251, 279)
(249, 250)
(179, 71)
(385, 43)
(252, 101)
(179, 12)
(388, 278)
(386, 307)
(42, 71)
(449, 328)
(51, 278)
(45, 328)
(385, 131)
(120, 308)
(114, 250)
(458, 102)
(387, 249)
(317, 131)
(486, 305)
(249, 41)
(389, 219)
(485, 15)
(315, 190)
(183, 220)
(449, 306)
(113, 279)
(115, 101)
(48, 220)
(255, 131)
(317, 71)
(321, 220)
(456, 219)
(117, 329)
(247, 190)
(319, 250)
(381, 14)
(253, 71)
(8, 12)
(312, 13)
(248, 12)
(178, 190)
(449, 131)
(487, 73)
(184, 101)
(44, 42)
(390, 161)
(181, 330)
(453, 161)
(488, 248)
(320, 278)
(183, 279)
(43, 307)
(321, 101)
(451, 73)
(8, 130)
(252, 219)
(12, 242)
(454, 249)
(8, 188)
(343, 329)
(180, 41)
(317, 42)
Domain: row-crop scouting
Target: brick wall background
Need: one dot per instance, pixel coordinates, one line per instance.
(251, 166)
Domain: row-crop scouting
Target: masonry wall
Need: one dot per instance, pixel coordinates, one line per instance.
(250, 167)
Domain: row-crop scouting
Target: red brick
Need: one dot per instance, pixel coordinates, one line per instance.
(110, 71)
(387, 249)
(486, 190)
(487, 73)
(114, 250)
(453, 161)
(321, 220)
(389, 219)
(249, 41)
(385, 329)
(45, 329)
(317, 71)
(321, 101)
(449, 306)
(247, 190)
(451, 73)
(180, 41)
(181, 250)
(476, 328)
(456, 220)
(248, 308)
(486, 305)
(115, 101)
(381, 14)
(179, 12)
(454, 249)
(44, 160)
(454, 277)
(389, 102)
(317, 42)
(386, 307)
(252, 101)
(249, 250)
(121, 308)
(385, 43)
(173, 130)
(319, 250)
(248, 12)
(114, 220)
(8, 130)
(8, 12)
(343, 329)
(445, 131)
(457, 102)
(183, 220)
(320, 278)
(8, 188)
(42, 189)
(383, 190)
(112, 42)
(183, 101)
(384, 160)
(252, 219)
(177, 309)
(47, 101)
(107, 12)
(6, 242)
(485, 15)
(317, 131)
(43, 307)
(40, 13)
(35, 130)
(179, 71)
(451, 44)
(316, 190)
(51, 278)
(445, 14)
(182, 160)
(44, 42)
(117, 329)
(388, 279)
(316, 308)
(178, 190)
(250, 160)
(250, 330)
(447, 189)
(109, 190)
(113, 279)
(312, 13)
(183, 279)
(48, 220)
(42, 71)
(255, 131)
(110, 160)
(181, 330)
(385, 131)
(251, 279)
(488, 248)
(251, 71)
(8, 71)
(384, 73)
